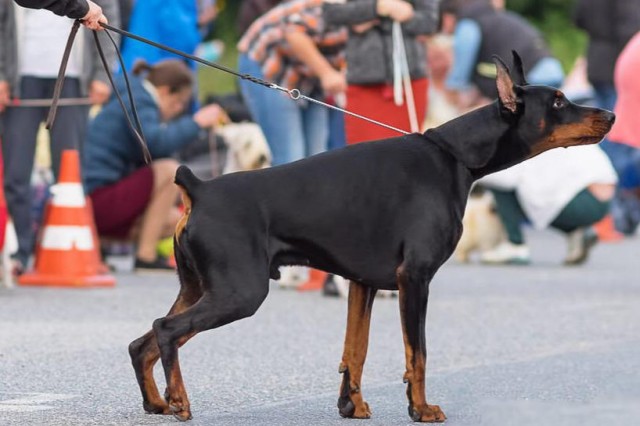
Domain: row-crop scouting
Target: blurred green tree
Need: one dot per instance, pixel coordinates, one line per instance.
(553, 19)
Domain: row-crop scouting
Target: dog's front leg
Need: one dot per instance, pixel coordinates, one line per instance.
(413, 297)
(351, 403)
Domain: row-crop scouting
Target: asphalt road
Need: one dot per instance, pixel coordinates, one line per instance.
(536, 345)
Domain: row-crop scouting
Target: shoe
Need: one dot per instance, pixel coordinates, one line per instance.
(580, 243)
(159, 265)
(17, 267)
(507, 253)
(335, 286)
(329, 287)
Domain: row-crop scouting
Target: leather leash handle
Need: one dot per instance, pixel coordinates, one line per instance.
(57, 90)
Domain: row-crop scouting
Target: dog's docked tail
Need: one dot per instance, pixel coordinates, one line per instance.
(186, 179)
(188, 182)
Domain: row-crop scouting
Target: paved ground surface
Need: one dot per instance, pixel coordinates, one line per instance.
(531, 345)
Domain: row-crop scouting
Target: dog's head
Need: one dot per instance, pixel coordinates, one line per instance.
(545, 118)
(247, 148)
(523, 122)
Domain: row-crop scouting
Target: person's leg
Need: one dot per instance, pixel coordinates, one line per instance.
(337, 136)
(619, 154)
(69, 128)
(315, 119)
(252, 92)
(154, 220)
(277, 115)
(575, 220)
(283, 127)
(625, 207)
(514, 250)
(582, 211)
(605, 95)
(510, 213)
(18, 147)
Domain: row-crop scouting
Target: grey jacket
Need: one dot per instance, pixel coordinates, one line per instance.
(369, 54)
(92, 68)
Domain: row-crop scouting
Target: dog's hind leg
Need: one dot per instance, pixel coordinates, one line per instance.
(144, 351)
(351, 403)
(220, 304)
(413, 284)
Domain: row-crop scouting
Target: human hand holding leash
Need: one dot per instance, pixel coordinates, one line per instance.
(93, 17)
(4, 95)
(396, 10)
(333, 82)
(210, 116)
(99, 92)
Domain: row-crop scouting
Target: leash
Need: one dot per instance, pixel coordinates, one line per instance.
(402, 76)
(134, 124)
(293, 93)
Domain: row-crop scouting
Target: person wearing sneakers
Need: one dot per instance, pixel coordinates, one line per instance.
(131, 199)
(567, 189)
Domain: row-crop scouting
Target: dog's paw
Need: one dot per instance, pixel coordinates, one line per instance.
(348, 409)
(427, 414)
(180, 409)
(156, 408)
(182, 414)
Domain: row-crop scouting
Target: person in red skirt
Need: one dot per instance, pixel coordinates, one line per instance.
(374, 52)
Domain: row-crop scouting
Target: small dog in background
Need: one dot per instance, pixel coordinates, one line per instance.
(247, 148)
(482, 227)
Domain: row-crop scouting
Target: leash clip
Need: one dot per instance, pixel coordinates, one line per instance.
(295, 94)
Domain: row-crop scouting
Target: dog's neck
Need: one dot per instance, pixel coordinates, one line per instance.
(484, 140)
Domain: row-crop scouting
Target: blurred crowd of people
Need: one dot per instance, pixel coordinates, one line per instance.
(410, 64)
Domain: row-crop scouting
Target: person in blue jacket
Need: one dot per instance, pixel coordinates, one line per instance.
(132, 199)
(172, 23)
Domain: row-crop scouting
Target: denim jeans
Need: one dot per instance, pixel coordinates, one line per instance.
(625, 208)
(293, 129)
(19, 147)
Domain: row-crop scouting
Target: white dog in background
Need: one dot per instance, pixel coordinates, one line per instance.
(247, 148)
(483, 229)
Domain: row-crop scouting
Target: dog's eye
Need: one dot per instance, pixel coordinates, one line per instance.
(559, 103)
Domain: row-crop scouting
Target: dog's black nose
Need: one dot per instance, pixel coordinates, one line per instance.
(609, 116)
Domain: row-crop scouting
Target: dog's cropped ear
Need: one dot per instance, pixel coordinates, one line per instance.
(506, 89)
(518, 70)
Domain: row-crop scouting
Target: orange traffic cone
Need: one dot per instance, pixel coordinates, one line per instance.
(606, 230)
(67, 254)
(315, 281)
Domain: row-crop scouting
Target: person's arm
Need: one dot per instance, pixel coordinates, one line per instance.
(350, 13)
(466, 45)
(5, 89)
(86, 10)
(424, 20)
(74, 9)
(303, 48)
(166, 138)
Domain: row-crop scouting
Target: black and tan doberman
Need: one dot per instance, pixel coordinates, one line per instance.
(385, 214)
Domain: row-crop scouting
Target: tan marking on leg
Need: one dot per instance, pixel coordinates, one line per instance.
(186, 201)
(155, 402)
(416, 362)
(355, 346)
